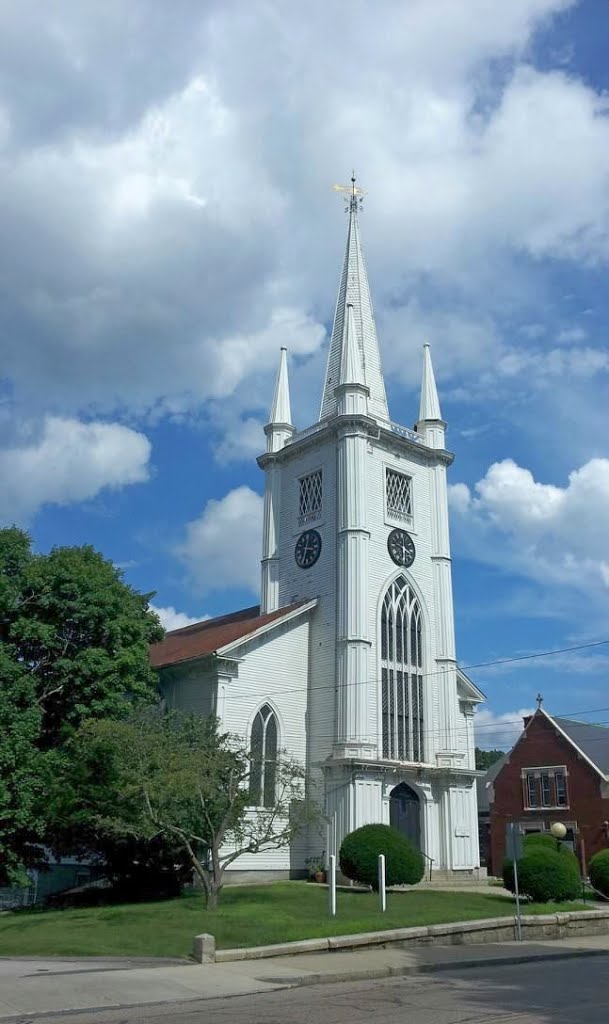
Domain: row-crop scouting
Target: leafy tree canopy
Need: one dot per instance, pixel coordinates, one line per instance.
(74, 644)
(485, 758)
(78, 630)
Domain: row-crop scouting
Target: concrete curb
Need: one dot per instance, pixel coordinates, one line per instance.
(486, 930)
(432, 968)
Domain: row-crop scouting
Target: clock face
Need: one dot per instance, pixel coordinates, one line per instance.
(401, 547)
(308, 549)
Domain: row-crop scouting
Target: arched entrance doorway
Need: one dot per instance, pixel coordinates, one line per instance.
(405, 813)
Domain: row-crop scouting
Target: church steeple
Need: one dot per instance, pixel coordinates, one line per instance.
(279, 428)
(354, 291)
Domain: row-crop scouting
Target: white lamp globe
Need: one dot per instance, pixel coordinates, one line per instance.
(558, 830)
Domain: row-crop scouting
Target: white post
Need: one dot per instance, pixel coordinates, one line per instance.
(332, 885)
(382, 892)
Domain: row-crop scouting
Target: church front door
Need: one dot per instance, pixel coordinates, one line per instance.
(405, 813)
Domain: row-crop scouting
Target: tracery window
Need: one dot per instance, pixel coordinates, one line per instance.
(310, 498)
(402, 674)
(263, 754)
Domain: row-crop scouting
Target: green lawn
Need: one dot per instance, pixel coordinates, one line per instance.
(247, 916)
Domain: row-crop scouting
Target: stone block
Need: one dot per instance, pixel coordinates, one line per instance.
(204, 948)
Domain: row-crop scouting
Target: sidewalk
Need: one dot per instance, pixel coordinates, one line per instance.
(39, 987)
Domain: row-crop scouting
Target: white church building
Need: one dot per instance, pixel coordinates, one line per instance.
(349, 661)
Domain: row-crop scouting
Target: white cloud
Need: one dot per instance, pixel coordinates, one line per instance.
(550, 533)
(221, 548)
(172, 619)
(175, 227)
(498, 732)
(67, 462)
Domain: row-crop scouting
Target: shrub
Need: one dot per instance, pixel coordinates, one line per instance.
(545, 875)
(537, 839)
(599, 872)
(358, 858)
(531, 842)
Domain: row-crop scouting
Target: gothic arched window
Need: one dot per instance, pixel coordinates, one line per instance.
(401, 674)
(263, 766)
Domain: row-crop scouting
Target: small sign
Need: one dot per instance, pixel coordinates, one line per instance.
(513, 841)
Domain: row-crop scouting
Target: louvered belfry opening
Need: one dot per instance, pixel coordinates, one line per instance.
(401, 674)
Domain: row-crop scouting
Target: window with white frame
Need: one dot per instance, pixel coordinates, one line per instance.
(398, 495)
(401, 674)
(263, 758)
(310, 498)
(545, 787)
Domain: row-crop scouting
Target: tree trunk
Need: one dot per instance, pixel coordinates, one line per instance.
(211, 898)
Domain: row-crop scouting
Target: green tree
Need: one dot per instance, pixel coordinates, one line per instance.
(485, 758)
(176, 776)
(80, 632)
(74, 642)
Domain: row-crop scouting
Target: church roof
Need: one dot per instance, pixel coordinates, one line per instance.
(212, 635)
(591, 740)
(354, 290)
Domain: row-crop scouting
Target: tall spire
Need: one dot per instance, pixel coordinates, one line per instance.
(354, 290)
(430, 403)
(279, 427)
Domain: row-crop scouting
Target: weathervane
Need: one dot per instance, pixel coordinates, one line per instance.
(539, 700)
(354, 192)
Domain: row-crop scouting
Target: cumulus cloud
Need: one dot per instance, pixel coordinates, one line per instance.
(69, 461)
(221, 548)
(160, 249)
(172, 619)
(498, 731)
(555, 534)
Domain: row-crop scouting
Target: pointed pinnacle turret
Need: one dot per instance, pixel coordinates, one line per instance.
(279, 428)
(351, 366)
(280, 409)
(430, 403)
(430, 425)
(354, 291)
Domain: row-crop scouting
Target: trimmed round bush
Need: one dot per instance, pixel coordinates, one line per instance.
(545, 875)
(531, 842)
(537, 839)
(599, 872)
(359, 853)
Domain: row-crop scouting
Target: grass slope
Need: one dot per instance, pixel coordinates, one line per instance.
(247, 916)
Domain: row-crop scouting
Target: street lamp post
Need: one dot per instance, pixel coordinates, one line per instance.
(559, 832)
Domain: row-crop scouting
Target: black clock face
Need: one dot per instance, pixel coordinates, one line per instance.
(401, 547)
(308, 549)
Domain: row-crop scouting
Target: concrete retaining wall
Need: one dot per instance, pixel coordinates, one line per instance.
(460, 933)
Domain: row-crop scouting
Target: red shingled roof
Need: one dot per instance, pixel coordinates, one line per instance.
(211, 634)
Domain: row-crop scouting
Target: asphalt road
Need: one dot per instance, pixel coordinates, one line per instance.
(569, 991)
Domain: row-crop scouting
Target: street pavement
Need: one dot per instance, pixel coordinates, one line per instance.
(36, 987)
(544, 992)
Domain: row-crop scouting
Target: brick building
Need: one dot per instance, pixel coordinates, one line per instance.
(557, 770)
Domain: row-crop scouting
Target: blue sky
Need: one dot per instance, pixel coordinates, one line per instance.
(167, 222)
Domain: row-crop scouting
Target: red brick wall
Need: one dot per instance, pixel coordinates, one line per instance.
(542, 746)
